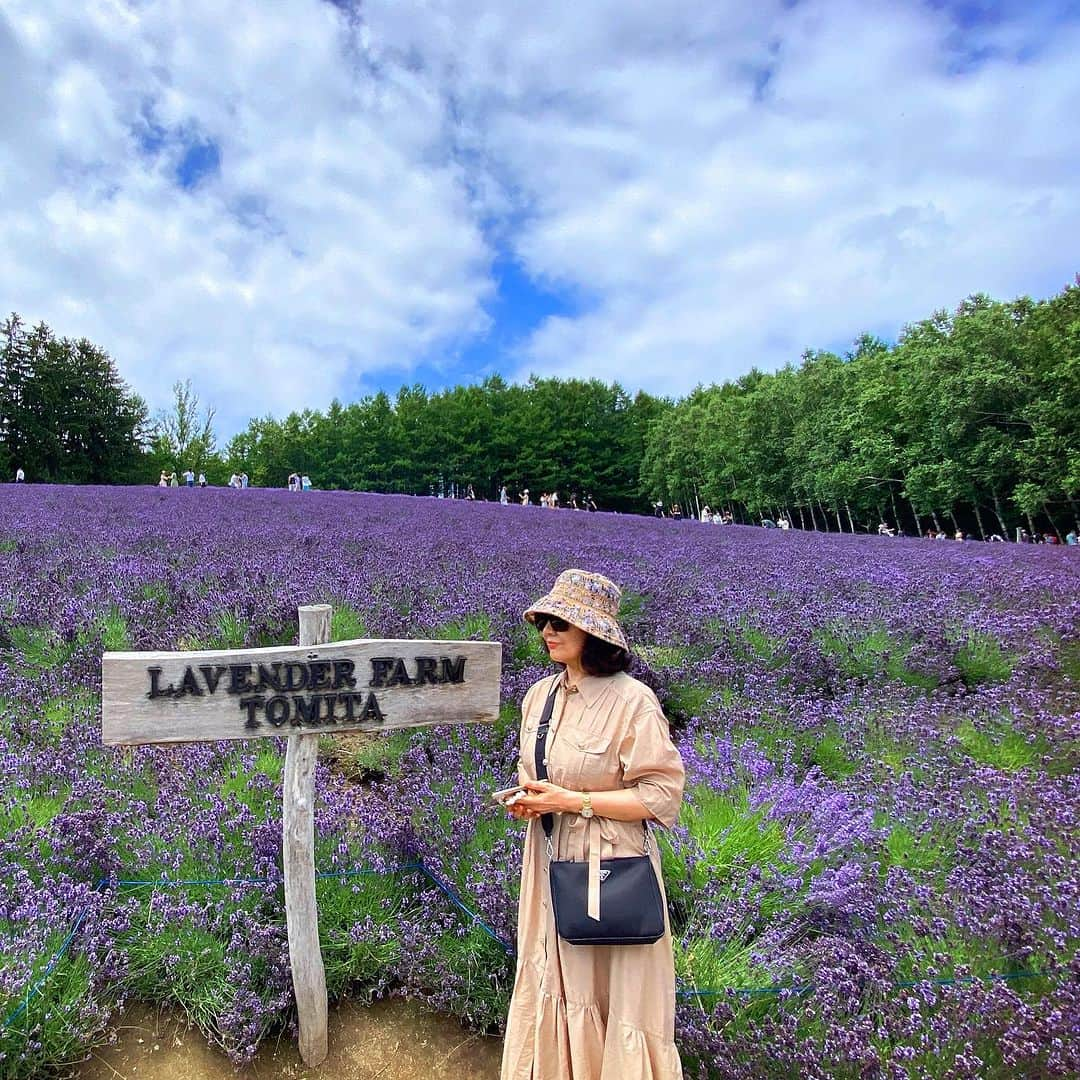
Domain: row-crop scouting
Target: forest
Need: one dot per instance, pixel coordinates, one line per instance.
(970, 420)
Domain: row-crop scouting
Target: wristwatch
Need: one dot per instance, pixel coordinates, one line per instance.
(586, 805)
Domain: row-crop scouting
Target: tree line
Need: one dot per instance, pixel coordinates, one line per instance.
(970, 419)
(565, 435)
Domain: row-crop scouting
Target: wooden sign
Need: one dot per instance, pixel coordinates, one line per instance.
(300, 692)
(293, 690)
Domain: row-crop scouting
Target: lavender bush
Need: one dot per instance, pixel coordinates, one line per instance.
(881, 740)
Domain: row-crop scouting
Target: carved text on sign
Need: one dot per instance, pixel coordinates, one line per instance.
(306, 693)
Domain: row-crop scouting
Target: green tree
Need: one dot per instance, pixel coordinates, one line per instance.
(183, 437)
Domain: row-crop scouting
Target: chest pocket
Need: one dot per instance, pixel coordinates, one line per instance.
(591, 762)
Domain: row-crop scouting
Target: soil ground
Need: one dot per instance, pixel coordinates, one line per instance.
(391, 1040)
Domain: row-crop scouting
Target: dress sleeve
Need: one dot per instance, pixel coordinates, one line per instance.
(652, 767)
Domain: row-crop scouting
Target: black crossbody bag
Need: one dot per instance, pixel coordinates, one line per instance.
(631, 907)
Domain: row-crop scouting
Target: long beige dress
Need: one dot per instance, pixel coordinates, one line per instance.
(589, 1012)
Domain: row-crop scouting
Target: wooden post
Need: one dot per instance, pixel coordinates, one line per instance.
(298, 857)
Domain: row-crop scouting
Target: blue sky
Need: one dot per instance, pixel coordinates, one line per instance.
(293, 202)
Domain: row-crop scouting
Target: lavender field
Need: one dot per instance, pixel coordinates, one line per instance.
(874, 873)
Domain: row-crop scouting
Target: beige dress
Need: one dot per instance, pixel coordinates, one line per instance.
(588, 1012)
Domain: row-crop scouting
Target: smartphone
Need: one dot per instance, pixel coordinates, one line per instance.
(507, 795)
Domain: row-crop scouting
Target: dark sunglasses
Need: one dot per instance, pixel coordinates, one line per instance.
(560, 626)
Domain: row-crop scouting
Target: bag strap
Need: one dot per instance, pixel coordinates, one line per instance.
(547, 820)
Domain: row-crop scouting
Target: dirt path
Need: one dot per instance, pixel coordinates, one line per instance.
(391, 1040)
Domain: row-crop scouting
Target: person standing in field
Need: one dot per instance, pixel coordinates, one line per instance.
(590, 1012)
(20, 476)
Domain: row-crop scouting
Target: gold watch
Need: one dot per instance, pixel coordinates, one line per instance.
(586, 805)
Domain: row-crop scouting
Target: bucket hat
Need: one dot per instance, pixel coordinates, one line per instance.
(587, 601)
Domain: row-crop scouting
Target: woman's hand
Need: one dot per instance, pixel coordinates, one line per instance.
(519, 812)
(544, 797)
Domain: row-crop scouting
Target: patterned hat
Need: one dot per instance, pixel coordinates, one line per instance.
(587, 601)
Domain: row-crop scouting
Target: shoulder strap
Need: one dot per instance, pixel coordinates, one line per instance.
(547, 820)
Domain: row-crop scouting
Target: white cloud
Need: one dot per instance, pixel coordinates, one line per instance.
(336, 237)
(720, 184)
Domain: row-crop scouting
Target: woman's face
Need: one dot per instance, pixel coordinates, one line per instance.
(564, 646)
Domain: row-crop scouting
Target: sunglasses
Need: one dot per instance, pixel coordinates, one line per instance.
(560, 626)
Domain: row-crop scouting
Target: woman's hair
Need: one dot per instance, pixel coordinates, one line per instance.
(599, 657)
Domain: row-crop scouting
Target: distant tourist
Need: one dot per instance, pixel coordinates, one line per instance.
(20, 476)
(658, 508)
(173, 482)
(470, 494)
(783, 523)
(525, 497)
(243, 479)
(305, 482)
(676, 511)
(294, 481)
(590, 504)
(1070, 538)
(884, 530)
(706, 514)
(504, 498)
(163, 480)
(202, 479)
(189, 478)
(768, 523)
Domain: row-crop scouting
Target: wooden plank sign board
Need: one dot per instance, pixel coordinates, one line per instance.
(302, 692)
(150, 697)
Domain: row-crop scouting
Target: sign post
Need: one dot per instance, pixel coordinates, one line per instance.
(298, 863)
(300, 692)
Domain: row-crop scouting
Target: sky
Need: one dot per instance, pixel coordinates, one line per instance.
(297, 200)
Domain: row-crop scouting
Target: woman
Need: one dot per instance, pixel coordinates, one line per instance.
(591, 1012)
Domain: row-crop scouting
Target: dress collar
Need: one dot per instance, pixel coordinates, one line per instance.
(590, 687)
